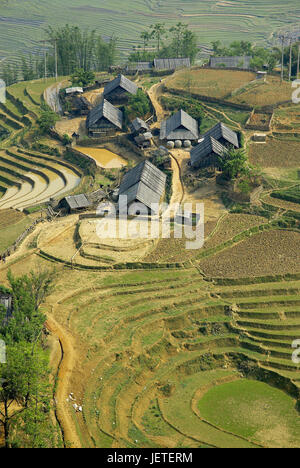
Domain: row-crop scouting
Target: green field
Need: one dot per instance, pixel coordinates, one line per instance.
(211, 20)
(252, 409)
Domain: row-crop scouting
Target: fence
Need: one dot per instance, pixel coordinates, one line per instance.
(10, 250)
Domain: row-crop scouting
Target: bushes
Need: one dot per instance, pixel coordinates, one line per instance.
(291, 195)
(40, 147)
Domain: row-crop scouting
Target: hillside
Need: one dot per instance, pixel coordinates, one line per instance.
(211, 20)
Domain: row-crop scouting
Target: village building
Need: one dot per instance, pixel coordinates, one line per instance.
(74, 90)
(120, 89)
(180, 126)
(172, 63)
(144, 140)
(231, 62)
(138, 126)
(103, 119)
(144, 184)
(207, 153)
(139, 67)
(81, 202)
(81, 106)
(223, 135)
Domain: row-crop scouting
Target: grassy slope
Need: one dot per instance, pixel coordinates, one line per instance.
(240, 19)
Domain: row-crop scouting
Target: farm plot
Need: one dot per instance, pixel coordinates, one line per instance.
(206, 82)
(261, 94)
(278, 249)
(254, 410)
(275, 154)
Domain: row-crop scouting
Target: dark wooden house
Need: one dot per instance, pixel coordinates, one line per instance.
(207, 153)
(75, 203)
(119, 90)
(144, 184)
(223, 135)
(181, 126)
(104, 119)
(81, 106)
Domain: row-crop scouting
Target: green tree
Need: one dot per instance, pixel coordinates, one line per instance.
(82, 78)
(47, 119)
(234, 163)
(158, 32)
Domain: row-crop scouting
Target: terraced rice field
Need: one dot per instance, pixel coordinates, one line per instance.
(211, 20)
(153, 344)
(31, 179)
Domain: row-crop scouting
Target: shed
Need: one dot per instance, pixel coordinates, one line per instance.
(144, 140)
(231, 62)
(75, 203)
(171, 63)
(104, 118)
(145, 184)
(223, 134)
(120, 89)
(138, 126)
(181, 126)
(139, 67)
(207, 153)
(81, 105)
(74, 90)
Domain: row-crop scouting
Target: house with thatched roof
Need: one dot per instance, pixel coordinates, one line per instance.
(104, 118)
(120, 89)
(180, 126)
(144, 184)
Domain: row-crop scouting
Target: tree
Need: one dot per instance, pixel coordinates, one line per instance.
(47, 119)
(145, 36)
(158, 32)
(233, 163)
(139, 104)
(82, 78)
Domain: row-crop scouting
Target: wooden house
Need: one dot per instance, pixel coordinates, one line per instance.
(171, 63)
(206, 154)
(119, 90)
(81, 106)
(103, 119)
(223, 135)
(181, 126)
(144, 184)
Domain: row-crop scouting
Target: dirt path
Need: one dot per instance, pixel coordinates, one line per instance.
(154, 92)
(64, 373)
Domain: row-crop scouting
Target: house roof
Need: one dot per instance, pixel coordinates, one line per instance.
(140, 66)
(143, 138)
(76, 202)
(122, 82)
(82, 103)
(171, 63)
(138, 124)
(145, 183)
(232, 62)
(206, 147)
(106, 110)
(181, 126)
(222, 131)
(74, 90)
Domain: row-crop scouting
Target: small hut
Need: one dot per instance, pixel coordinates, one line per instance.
(104, 119)
(138, 126)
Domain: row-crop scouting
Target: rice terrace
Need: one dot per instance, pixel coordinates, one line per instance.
(118, 333)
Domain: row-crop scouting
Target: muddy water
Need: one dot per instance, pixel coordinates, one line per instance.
(103, 157)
